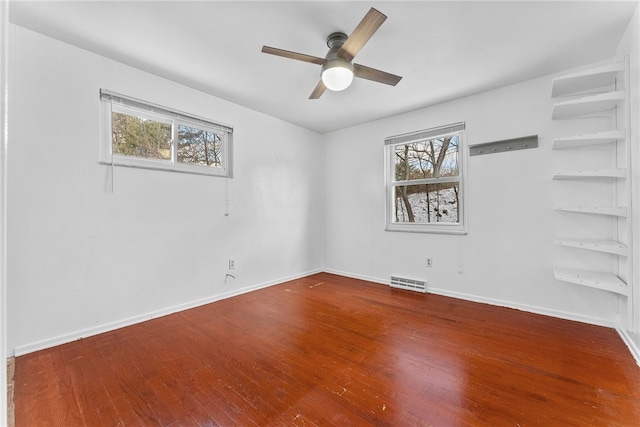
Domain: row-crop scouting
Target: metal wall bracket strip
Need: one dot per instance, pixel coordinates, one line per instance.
(513, 144)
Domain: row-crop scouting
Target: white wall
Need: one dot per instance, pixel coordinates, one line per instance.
(630, 45)
(4, 89)
(84, 260)
(508, 255)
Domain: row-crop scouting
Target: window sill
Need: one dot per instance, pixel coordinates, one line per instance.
(166, 167)
(429, 229)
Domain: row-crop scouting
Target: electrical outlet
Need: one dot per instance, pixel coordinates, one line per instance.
(429, 262)
(232, 264)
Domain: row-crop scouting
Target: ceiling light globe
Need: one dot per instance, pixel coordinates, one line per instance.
(337, 74)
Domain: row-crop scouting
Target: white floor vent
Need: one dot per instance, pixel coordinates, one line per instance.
(408, 284)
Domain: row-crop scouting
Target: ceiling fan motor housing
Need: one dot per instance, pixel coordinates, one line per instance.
(336, 40)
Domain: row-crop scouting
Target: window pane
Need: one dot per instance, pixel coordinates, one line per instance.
(139, 137)
(199, 147)
(426, 204)
(432, 158)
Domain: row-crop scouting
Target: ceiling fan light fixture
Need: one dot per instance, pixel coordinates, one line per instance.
(337, 69)
(337, 74)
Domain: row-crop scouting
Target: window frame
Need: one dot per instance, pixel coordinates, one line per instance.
(112, 102)
(391, 143)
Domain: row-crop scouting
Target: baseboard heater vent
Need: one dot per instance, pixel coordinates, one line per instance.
(408, 284)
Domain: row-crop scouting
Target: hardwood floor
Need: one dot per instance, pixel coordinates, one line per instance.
(329, 350)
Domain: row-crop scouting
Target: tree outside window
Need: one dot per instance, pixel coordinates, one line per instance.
(424, 182)
(135, 133)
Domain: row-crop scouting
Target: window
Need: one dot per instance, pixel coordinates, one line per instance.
(139, 134)
(424, 181)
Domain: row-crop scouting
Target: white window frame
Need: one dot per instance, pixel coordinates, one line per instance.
(390, 184)
(112, 102)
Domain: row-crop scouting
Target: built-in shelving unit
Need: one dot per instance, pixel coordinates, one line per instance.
(595, 210)
(590, 79)
(605, 281)
(589, 139)
(587, 105)
(592, 174)
(607, 246)
(597, 92)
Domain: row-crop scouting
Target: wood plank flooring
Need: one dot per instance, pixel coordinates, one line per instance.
(328, 350)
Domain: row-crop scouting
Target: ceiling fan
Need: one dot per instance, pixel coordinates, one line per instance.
(337, 69)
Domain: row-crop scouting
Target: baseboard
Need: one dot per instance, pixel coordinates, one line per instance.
(491, 301)
(633, 344)
(524, 307)
(107, 327)
(358, 276)
(76, 335)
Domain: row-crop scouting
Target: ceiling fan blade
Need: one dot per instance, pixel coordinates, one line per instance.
(369, 73)
(318, 91)
(293, 55)
(361, 35)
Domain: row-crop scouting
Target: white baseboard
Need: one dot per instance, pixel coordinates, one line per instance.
(633, 344)
(491, 301)
(359, 276)
(524, 307)
(77, 335)
(84, 333)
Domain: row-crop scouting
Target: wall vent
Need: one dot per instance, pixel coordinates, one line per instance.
(408, 284)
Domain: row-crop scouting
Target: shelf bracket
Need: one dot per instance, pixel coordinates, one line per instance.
(514, 144)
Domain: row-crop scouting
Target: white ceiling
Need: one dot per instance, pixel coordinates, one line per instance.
(443, 49)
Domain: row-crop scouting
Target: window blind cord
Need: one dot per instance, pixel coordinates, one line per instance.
(112, 160)
(226, 197)
(112, 170)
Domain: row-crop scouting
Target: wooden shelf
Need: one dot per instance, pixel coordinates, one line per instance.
(586, 105)
(604, 75)
(598, 210)
(605, 281)
(607, 246)
(591, 174)
(588, 139)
